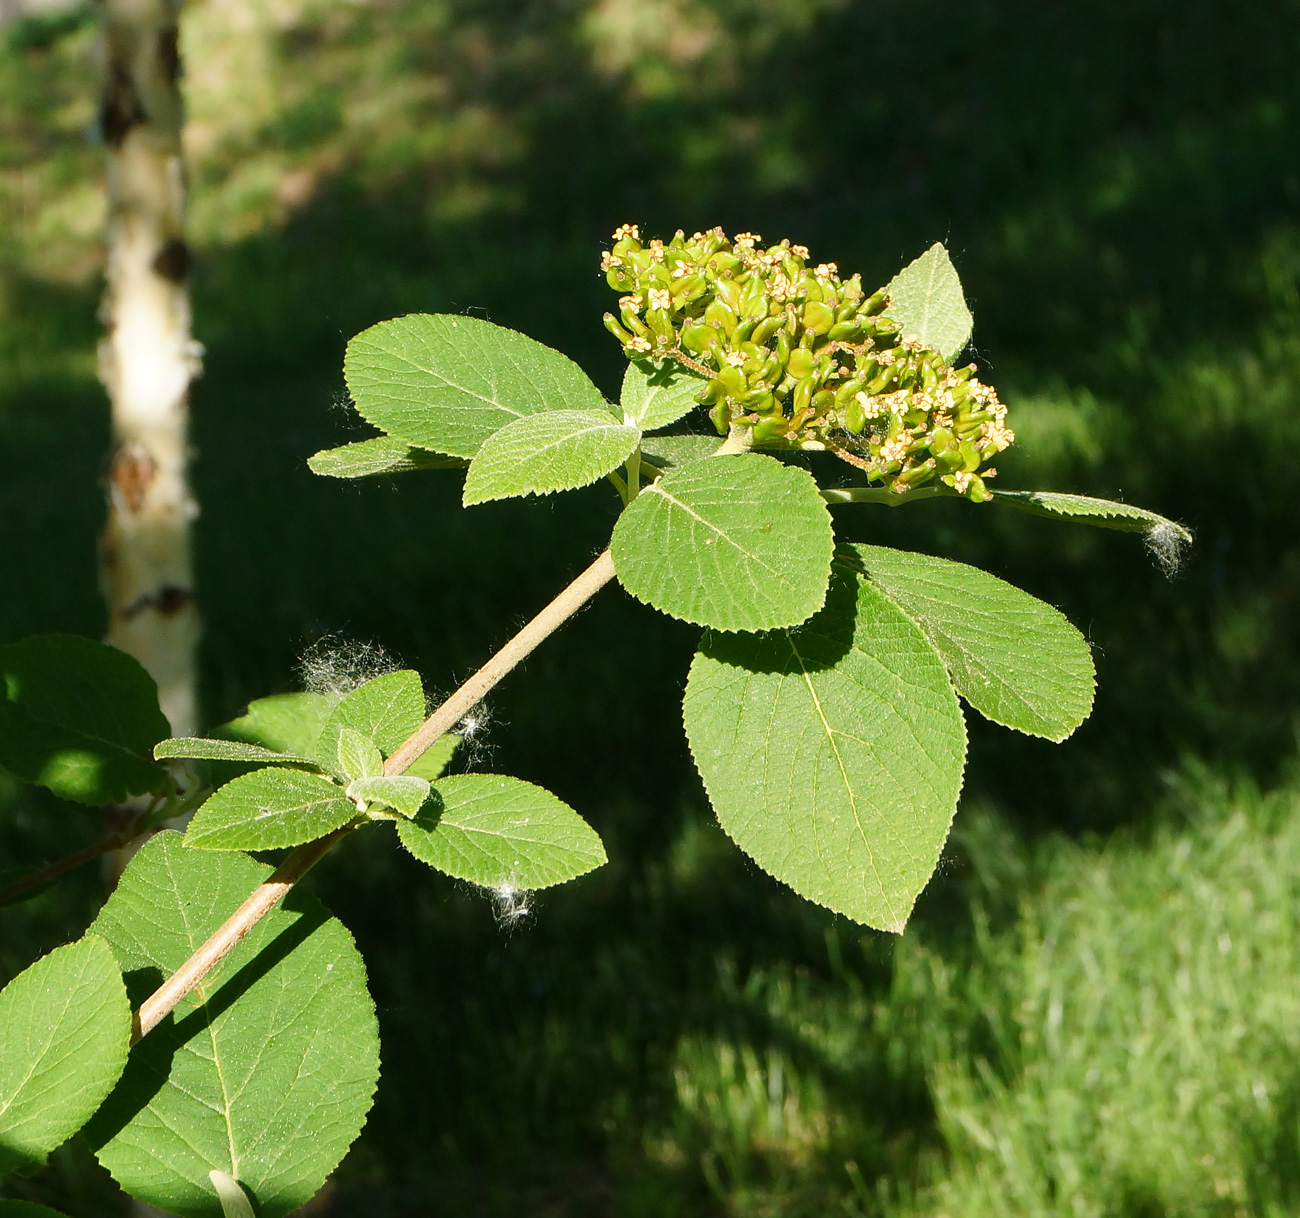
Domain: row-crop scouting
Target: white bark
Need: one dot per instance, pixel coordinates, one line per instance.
(147, 358)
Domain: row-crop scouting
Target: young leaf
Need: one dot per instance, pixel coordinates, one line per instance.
(832, 754)
(283, 723)
(403, 793)
(557, 451)
(65, 1025)
(385, 711)
(234, 1201)
(1164, 536)
(382, 455)
(227, 750)
(268, 809)
(447, 383)
(358, 758)
(264, 1072)
(737, 543)
(496, 831)
(668, 452)
(1016, 660)
(79, 717)
(430, 764)
(927, 299)
(655, 395)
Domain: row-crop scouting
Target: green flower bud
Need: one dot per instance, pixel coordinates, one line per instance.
(801, 363)
(847, 332)
(744, 328)
(699, 337)
(768, 327)
(770, 429)
(611, 324)
(803, 392)
(875, 303)
(970, 456)
(721, 417)
(729, 293)
(850, 388)
(722, 317)
(855, 418)
(822, 401)
(732, 380)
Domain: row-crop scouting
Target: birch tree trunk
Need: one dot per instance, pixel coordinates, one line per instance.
(147, 357)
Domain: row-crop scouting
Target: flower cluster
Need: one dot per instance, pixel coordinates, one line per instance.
(796, 356)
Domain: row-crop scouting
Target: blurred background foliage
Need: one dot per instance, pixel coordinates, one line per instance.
(1095, 1010)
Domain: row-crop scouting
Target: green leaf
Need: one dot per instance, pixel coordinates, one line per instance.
(65, 1025)
(358, 758)
(264, 1072)
(382, 455)
(655, 395)
(737, 543)
(403, 793)
(227, 750)
(927, 299)
(668, 452)
(447, 383)
(1016, 660)
(385, 711)
(1102, 513)
(79, 717)
(430, 764)
(557, 451)
(832, 754)
(501, 832)
(283, 723)
(268, 809)
(234, 1201)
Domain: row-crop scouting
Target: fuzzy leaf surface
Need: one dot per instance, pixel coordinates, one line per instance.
(668, 452)
(928, 301)
(385, 711)
(267, 809)
(382, 455)
(403, 793)
(80, 718)
(430, 764)
(1103, 513)
(560, 450)
(65, 1024)
(447, 383)
(496, 831)
(737, 543)
(832, 754)
(283, 723)
(655, 395)
(226, 750)
(265, 1071)
(358, 758)
(1015, 659)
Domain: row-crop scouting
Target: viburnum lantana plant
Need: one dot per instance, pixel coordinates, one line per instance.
(212, 1034)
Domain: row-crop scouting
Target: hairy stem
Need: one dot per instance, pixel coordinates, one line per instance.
(267, 895)
(880, 494)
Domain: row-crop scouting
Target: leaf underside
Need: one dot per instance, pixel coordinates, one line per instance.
(737, 543)
(1101, 513)
(227, 750)
(373, 458)
(447, 383)
(80, 718)
(926, 297)
(832, 754)
(265, 1072)
(1015, 659)
(501, 832)
(668, 452)
(65, 1024)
